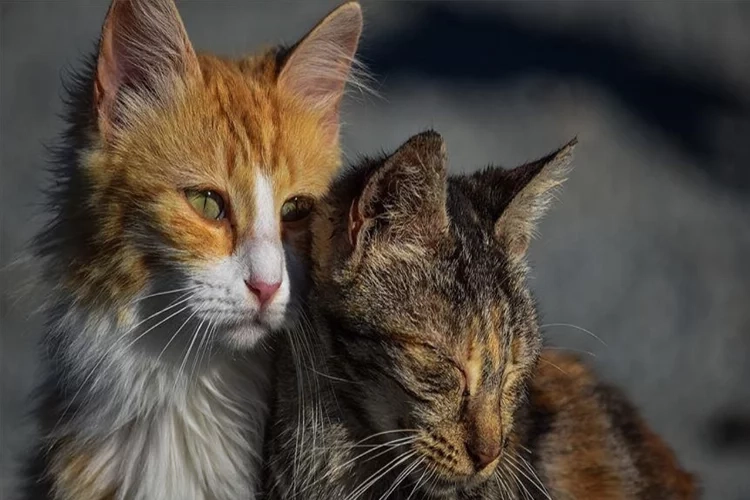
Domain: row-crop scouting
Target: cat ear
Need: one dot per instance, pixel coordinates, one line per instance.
(320, 65)
(404, 199)
(524, 195)
(144, 52)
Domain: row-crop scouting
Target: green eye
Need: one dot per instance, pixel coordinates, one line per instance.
(296, 208)
(207, 203)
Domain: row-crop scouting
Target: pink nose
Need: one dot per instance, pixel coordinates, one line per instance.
(264, 291)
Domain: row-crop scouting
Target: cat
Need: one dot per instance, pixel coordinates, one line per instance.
(183, 189)
(422, 373)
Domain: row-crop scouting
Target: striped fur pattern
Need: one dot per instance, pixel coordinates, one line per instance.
(421, 374)
(157, 374)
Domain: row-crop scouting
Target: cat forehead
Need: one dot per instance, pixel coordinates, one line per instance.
(230, 124)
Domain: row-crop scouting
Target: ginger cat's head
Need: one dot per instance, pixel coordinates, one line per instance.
(421, 280)
(187, 179)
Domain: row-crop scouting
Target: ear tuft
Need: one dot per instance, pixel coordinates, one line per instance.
(320, 65)
(143, 53)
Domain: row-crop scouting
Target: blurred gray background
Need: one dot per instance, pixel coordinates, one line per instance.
(648, 247)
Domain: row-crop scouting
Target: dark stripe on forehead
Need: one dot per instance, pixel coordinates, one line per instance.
(238, 136)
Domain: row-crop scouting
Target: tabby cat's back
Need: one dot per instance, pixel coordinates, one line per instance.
(589, 441)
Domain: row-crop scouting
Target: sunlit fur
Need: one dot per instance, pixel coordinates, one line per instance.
(423, 352)
(157, 371)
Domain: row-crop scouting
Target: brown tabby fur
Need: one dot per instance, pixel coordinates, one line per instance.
(421, 376)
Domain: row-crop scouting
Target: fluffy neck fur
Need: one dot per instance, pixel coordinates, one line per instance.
(133, 427)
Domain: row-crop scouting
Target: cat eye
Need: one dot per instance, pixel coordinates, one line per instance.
(462, 379)
(208, 203)
(296, 208)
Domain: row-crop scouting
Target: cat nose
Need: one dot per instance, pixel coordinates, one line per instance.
(264, 291)
(483, 451)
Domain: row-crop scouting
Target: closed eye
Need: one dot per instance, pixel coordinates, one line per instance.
(464, 387)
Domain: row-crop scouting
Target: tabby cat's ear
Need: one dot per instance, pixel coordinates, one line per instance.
(144, 52)
(405, 198)
(523, 196)
(319, 66)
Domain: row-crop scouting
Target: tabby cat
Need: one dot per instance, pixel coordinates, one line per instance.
(423, 375)
(180, 210)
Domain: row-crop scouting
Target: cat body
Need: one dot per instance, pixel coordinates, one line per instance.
(176, 245)
(421, 374)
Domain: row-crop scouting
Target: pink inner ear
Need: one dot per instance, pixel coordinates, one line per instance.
(355, 222)
(142, 44)
(319, 67)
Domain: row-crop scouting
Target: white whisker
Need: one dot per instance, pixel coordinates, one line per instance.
(575, 327)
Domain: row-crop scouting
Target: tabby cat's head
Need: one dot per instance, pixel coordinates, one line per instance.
(423, 281)
(189, 177)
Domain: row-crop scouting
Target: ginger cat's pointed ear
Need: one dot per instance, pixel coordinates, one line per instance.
(144, 53)
(319, 66)
(405, 198)
(521, 196)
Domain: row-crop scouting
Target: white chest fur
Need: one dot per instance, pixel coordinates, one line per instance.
(205, 447)
(149, 435)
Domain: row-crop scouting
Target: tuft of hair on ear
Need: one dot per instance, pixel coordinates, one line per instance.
(519, 198)
(144, 55)
(321, 64)
(404, 198)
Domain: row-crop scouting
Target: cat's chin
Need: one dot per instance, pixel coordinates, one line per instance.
(244, 337)
(247, 334)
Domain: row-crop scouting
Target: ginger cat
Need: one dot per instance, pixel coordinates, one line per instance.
(180, 210)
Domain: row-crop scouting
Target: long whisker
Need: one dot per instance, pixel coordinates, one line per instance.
(419, 481)
(390, 445)
(175, 335)
(168, 292)
(535, 480)
(379, 474)
(371, 436)
(512, 462)
(575, 327)
(553, 364)
(317, 410)
(500, 487)
(299, 431)
(187, 354)
(526, 492)
(401, 477)
(199, 351)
